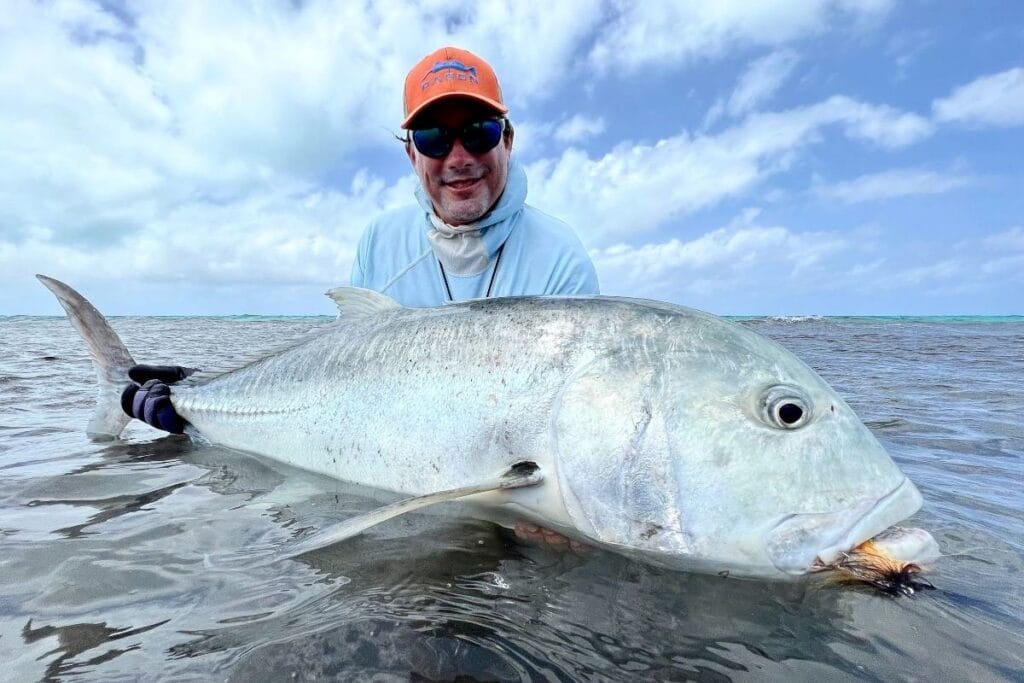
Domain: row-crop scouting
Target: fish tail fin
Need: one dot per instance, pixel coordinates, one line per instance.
(108, 353)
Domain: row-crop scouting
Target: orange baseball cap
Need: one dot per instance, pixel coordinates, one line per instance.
(450, 72)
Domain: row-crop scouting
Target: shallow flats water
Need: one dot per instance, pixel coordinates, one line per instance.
(149, 558)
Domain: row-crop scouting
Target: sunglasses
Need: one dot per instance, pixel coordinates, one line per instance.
(477, 137)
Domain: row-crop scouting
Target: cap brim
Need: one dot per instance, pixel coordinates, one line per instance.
(496, 106)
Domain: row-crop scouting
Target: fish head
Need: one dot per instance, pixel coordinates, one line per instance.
(721, 452)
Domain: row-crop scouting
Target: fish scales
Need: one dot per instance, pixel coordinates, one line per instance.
(407, 402)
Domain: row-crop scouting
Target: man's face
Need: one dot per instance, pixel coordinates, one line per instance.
(462, 186)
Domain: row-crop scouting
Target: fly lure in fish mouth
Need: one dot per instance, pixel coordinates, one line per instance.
(886, 574)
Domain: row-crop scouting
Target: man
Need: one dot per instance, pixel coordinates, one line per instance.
(471, 235)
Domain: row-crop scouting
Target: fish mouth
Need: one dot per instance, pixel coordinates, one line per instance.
(808, 542)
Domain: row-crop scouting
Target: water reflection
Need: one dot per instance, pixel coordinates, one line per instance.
(482, 606)
(74, 639)
(110, 508)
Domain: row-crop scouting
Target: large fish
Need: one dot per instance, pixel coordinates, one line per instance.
(649, 429)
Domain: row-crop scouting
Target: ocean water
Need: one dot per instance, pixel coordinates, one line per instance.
(147, 558)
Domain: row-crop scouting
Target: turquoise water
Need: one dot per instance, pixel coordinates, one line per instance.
(881, 319)
(145, 559)
(979, 319)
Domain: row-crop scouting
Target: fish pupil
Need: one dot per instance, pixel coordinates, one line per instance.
(790, 413)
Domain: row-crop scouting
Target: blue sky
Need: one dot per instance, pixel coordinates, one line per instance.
(794, 157)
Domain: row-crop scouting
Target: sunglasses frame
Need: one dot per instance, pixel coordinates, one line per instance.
(450, 135)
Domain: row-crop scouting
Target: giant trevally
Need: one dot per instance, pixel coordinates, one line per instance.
(646, 428)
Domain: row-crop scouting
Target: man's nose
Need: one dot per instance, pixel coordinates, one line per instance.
(459, 156)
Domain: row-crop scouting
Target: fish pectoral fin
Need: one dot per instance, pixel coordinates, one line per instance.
(518, 476)
(358, 301)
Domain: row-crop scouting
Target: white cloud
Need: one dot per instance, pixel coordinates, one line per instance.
(1009, 240)
(204, 141)
(112, 124)
(285, 236)
(941, 271)
(880, 124)
(201, 129)
(907, 46)
(994, 262)
(761, 80)
(893, 183)
(223, 95)
(995, 100)
(747, 267)
(579, 128)
(646, 34)
(635, 189)
(726, 259)
(534, 137)
(1006, 256)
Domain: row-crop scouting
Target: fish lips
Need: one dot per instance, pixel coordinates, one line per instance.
(801, 542)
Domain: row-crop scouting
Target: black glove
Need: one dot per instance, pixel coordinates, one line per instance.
(151, 402)
(167, 374)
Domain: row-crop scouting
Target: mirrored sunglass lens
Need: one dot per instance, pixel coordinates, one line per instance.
(477, 137)
(481, 136)
(433, 142)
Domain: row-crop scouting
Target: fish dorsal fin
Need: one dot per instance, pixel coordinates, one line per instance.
(359, 301)
(519, 475)
(354, 304)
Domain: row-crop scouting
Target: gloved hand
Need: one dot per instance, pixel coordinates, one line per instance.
(151, 402)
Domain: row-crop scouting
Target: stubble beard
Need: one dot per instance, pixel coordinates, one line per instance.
(463, 211)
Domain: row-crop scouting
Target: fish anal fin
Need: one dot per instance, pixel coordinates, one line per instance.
(358, 301)
(518, 476)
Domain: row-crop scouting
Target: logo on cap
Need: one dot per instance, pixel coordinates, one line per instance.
(468, 73)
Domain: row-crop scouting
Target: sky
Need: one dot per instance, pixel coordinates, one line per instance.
(795, 157)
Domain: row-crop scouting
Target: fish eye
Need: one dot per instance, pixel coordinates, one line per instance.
(785, 407)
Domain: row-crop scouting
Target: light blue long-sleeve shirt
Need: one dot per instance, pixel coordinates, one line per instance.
(539, 254)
